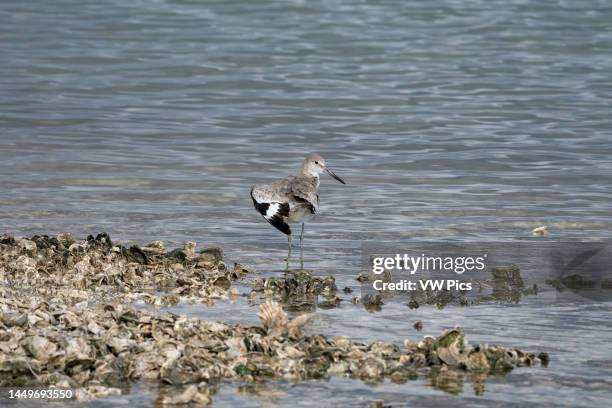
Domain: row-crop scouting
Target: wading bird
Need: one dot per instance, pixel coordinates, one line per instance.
(293, 199)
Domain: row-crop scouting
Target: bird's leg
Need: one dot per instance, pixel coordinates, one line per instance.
(302, 237)
(302, 248)
(289, 252)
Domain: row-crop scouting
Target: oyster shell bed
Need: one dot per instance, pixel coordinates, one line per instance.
(72, 330)
(95, 269)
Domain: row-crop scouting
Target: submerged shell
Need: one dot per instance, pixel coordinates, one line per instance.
(93, 392)
(190, 395)
(477, 361)
(540, 231)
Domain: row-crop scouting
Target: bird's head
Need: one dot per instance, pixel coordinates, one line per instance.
(314, 165)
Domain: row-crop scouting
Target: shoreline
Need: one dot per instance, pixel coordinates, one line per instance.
(76, 328)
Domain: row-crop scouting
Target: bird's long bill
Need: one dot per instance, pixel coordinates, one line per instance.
(331, 173)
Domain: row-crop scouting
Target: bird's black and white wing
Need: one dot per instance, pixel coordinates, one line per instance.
(272, 206)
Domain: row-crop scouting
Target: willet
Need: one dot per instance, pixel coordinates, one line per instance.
(293, 199)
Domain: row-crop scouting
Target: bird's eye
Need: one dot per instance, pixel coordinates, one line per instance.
(316, 162)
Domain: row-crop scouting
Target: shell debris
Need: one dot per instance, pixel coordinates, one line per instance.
(75, 328)
(540, 231)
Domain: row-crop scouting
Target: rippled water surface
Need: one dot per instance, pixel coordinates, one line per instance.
(450, 120)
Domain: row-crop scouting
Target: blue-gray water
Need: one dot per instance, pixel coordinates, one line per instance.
(464, 120)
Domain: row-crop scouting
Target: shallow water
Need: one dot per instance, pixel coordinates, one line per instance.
(449, 120)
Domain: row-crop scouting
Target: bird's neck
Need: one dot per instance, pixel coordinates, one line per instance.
(307, 172)
(310, 174)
